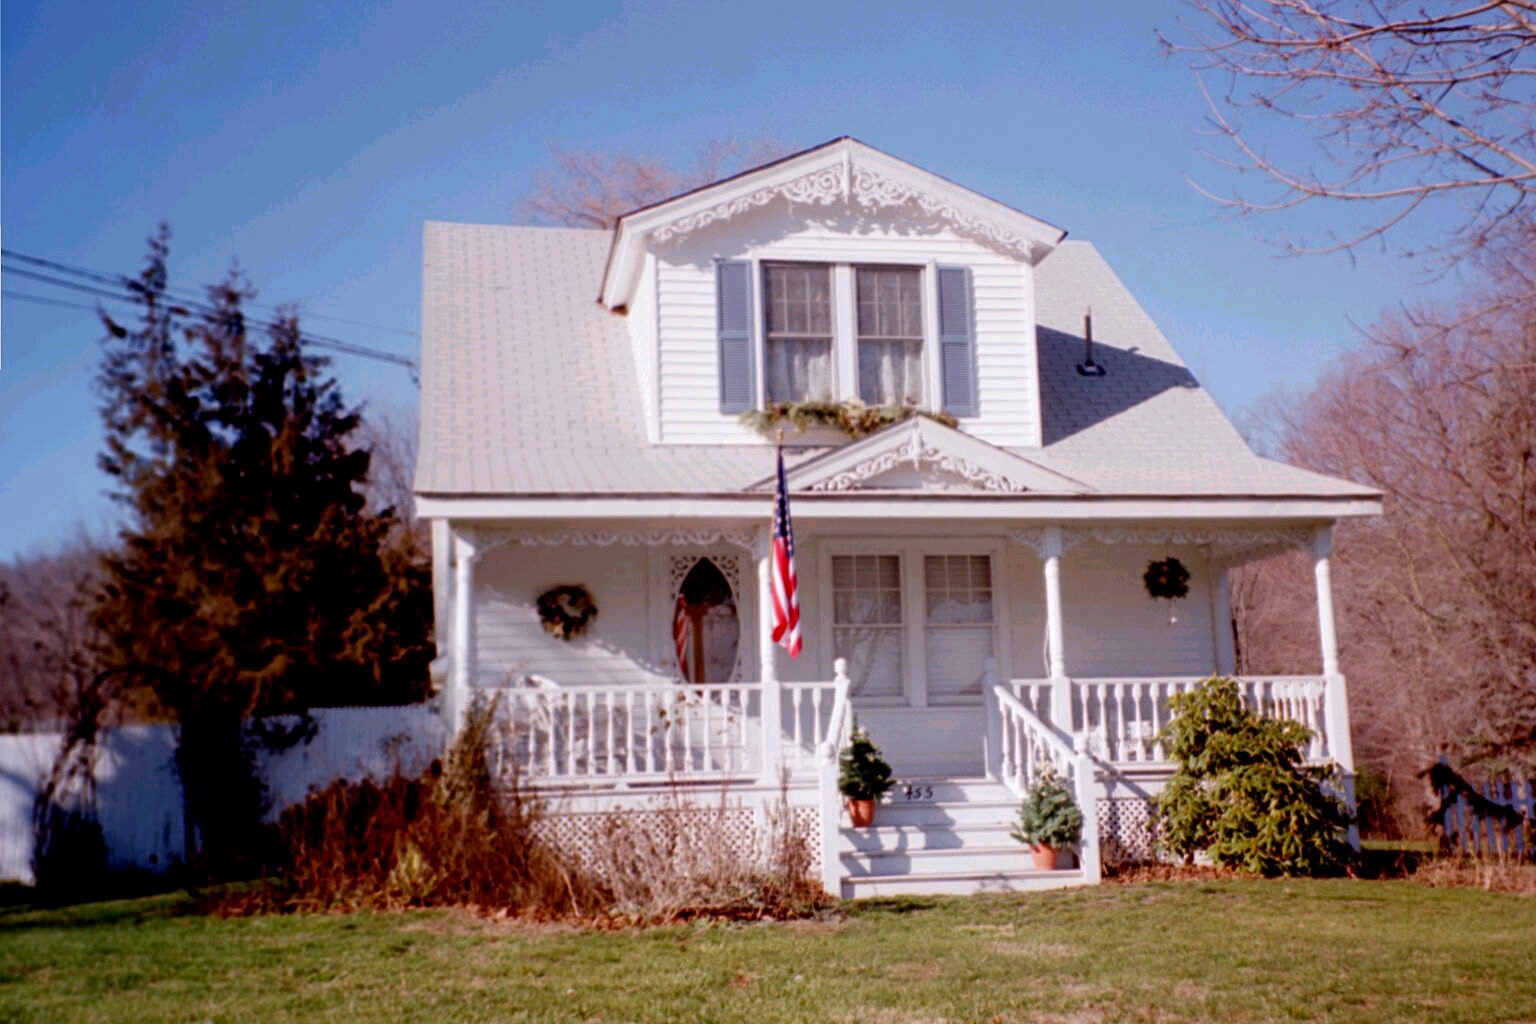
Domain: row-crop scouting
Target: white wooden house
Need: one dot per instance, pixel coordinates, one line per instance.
(973, 594)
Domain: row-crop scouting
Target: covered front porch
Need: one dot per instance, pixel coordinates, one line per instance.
(977, 654)
(941, 637)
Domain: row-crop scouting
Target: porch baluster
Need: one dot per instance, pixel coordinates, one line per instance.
(685, 716)
(797, 731)
(608, 734)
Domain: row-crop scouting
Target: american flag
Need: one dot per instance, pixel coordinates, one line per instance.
(786, 594)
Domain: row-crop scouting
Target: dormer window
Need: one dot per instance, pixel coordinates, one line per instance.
(887, 334)
(797, 339)
(890, 327)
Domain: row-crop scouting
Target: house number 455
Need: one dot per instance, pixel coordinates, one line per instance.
(917, 792)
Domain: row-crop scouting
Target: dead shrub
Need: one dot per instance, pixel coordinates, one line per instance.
(678, 860)
(449, 837)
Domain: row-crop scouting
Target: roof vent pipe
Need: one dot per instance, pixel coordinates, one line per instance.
(1089, 368)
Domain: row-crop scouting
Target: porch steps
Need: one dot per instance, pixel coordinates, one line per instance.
(942, 836)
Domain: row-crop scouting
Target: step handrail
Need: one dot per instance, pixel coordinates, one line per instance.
(826, 780)
(1021, 727)
(1061, 748)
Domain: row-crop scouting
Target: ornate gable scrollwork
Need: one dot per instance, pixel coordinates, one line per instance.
(819, 188)
(919, 455)
(857, 186)
(872, 189)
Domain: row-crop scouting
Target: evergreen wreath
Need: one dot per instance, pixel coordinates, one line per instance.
(1166, 580)
(566, 610)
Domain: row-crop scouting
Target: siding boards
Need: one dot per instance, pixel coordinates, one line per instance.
(1112, 628)
(688, 374)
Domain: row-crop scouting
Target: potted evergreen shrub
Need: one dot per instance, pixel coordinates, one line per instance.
(1049, 820)
(863, 777)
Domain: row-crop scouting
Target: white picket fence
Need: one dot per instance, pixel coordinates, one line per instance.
(138, 795)
(1470, 832)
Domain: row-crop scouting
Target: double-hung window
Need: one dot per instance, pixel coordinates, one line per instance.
(890, 335)
(797, 344)
(867, 622)
(958, 627)
(885, 334)
(916, 626)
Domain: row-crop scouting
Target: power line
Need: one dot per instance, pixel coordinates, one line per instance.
(121, 292)
(43, 300)
(120, 280)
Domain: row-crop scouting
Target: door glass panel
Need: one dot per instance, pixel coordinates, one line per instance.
(706, 629)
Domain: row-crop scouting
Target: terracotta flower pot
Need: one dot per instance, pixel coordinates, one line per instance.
(1045, 857)
(861, 813)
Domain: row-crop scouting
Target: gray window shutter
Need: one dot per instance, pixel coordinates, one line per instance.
(957, 342)
(733, 286)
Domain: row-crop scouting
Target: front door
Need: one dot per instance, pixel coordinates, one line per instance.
(917, 622)
(706, 625)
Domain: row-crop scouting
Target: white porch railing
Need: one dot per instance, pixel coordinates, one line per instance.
(1122, 718)
(809, 714)
(1028, 747)
(642, 732)
(606, 734)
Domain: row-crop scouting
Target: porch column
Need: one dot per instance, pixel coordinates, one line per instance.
(1061, 686)
(1336, 711)
(461, 632)
(768, 671)
(1221, 620)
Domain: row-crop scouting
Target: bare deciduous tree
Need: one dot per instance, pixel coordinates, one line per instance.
(1437, 598)
(591, 188)
(47, 638)
(1399, 104)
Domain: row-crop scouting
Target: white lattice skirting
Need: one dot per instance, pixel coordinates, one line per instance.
(742, 832)
(1127, 831)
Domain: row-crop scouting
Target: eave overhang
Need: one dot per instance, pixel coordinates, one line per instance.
(842, 174)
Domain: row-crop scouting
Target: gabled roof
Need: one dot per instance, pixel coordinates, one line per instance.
(844, 173)
(530, 388)
(919, 454)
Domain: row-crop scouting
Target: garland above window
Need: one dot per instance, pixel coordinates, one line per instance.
(853, 417)
(566, 611)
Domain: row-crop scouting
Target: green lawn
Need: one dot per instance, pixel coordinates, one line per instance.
(1231, 952)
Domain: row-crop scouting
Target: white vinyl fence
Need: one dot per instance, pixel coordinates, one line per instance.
(138, 796)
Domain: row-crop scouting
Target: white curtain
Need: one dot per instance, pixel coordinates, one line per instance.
(799, 369)
(891, 372)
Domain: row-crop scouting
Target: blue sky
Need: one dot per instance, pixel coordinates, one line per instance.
(310, 142)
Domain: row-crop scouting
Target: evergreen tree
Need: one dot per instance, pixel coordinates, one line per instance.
(251, 578)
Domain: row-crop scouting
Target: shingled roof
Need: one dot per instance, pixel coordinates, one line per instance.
(529, 386)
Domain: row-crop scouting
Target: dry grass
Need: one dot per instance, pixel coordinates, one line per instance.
(1470, 873)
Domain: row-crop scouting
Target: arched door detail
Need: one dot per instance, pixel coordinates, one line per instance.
(706, 617)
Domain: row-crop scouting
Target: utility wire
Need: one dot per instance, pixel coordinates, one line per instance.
(119, 280)
(124, 294)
